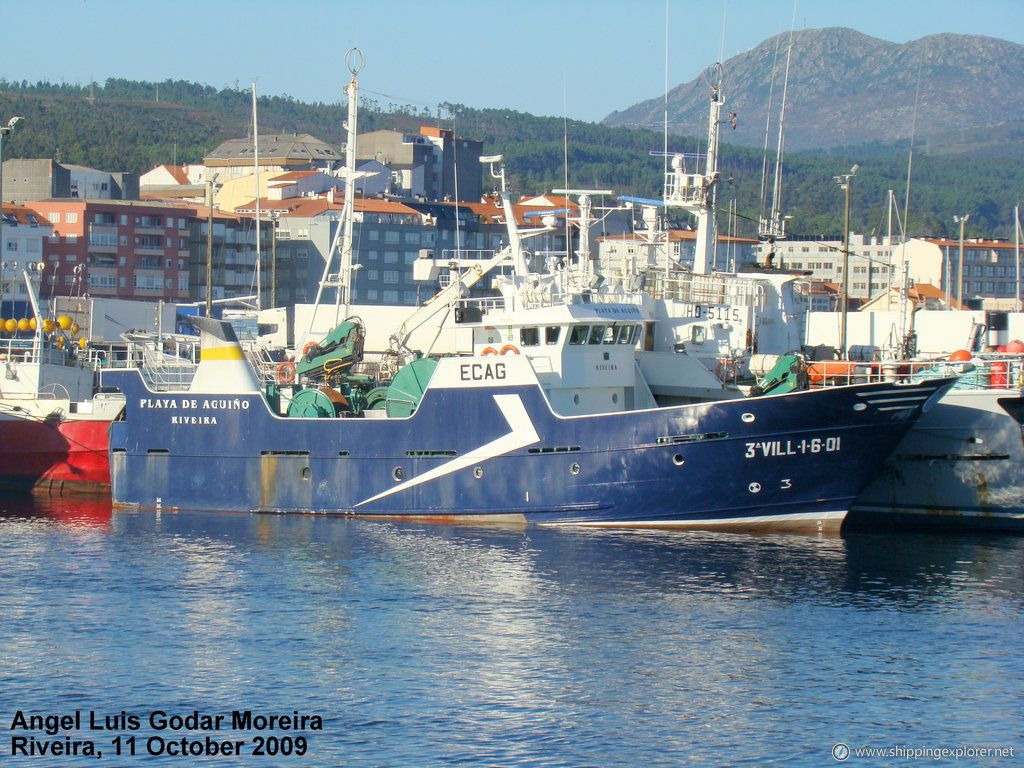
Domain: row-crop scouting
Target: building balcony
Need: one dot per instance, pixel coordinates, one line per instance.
(148, 251)
(141, 229)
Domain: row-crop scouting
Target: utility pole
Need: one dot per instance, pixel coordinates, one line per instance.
(209, 250)
(961, 220)
(844, 180)
(273, 258)
(4, 131)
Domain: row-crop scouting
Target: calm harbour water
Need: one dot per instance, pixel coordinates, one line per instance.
(423, 645)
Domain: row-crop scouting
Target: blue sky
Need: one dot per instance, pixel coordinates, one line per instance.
(578, 58)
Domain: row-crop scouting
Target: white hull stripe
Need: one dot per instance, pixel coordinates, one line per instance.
(806, 518)
(523, 433)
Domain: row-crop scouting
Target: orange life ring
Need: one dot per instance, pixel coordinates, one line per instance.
(309, 345)
(726, 369)
(286, 373)
(489, 351)
(509, 349)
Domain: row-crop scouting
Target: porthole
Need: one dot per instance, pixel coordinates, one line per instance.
(398, 473)
(748, 418)
(306, 473)
(615, 397)
(859, 407)
(574, 468)
(478, 472)
(678, 460)
(575, 399)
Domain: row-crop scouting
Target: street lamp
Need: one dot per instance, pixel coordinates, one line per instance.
(844, 180)
(4, 130)
(961, 220)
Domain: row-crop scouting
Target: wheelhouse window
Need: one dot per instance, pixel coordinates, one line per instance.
(578, 335)
(529, 337)
(597, 334)
(551, 334)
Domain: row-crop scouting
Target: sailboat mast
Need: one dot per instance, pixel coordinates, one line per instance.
(776, 215)
(1016, 250)
(256, 173)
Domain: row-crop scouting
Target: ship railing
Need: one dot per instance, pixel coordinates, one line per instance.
(540, 298)
(28, 351)
(166, 364)
(998, 372)
(264, 364)
(705, 289)
(483, 303)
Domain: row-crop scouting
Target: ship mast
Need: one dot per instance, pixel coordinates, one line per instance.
(341, 281)
(696, 193)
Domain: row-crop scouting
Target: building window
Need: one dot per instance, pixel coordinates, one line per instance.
(390, 297)
(374, 234)
(71, 217)
(390, 276)
(372, 274)
(102, 282)
(391, 236)
(54, 217)
(412, 237)
(390, 257)
(182, 283)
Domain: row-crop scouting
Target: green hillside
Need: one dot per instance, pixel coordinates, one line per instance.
(131, 126)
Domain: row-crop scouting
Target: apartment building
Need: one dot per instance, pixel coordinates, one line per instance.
(988, 279)
(123, 249)
(25, 180)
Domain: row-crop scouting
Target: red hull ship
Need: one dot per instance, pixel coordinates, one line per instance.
(53, 456)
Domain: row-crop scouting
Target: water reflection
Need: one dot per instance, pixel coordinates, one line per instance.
(515, 562)
(429, 644)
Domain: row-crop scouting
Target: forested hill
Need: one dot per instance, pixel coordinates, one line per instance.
(125, 125)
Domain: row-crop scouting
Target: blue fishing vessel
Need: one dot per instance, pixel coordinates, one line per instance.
(477, 437)
(550, 418)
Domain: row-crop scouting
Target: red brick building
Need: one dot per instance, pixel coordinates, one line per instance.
(124, 249)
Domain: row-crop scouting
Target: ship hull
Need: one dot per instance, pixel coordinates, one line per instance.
(53, 456)
(494, 449)
(960, 466)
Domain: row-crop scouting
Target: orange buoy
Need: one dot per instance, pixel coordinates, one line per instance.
(961, 355)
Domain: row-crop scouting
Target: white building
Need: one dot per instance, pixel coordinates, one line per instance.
(24, 233)
(989, 277)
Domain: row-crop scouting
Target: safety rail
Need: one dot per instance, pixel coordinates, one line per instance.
(166, 363)
(1002, 372)
(29, 351)
(705, 289)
